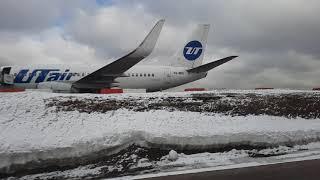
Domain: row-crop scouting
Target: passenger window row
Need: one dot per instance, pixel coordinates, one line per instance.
(141, 74)
(180, 73)
(130, 74)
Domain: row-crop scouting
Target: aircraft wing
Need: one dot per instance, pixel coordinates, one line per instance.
(209, 66)
(104, 77)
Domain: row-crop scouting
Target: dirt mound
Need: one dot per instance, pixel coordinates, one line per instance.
(302, 105)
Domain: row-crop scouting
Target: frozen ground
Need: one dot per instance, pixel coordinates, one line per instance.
(72, 136)
(190, 163)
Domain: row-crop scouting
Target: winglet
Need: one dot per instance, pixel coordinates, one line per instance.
(147, 45)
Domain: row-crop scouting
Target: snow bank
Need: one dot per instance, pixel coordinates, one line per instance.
(31, 132)
(185, 163)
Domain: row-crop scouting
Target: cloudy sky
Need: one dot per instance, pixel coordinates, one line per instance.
(277, 41)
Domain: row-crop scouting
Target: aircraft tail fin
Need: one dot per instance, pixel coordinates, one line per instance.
(209, 66)
(191, 54)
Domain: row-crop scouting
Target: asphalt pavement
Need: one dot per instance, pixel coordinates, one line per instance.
(301, 170)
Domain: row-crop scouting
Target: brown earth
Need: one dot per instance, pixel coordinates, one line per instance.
(295, 105)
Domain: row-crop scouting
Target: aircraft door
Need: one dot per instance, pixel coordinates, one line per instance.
(167, 76)
(6, 77)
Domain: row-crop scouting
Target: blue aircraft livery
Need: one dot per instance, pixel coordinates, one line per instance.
(40, 75)
(192, 50)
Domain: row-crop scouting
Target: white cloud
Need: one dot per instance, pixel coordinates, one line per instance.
(111, 30)
(49, 47)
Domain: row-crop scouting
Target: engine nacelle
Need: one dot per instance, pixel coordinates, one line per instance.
(56, 86)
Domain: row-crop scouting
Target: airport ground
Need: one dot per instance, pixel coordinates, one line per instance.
(302, 170)
(122, 135)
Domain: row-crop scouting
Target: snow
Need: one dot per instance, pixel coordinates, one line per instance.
(143, 163)
(30, 131)
(78, 173)
(195, 163)
(173, 155)
(204, 162)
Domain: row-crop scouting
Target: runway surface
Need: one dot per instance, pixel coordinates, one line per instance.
(309, 170)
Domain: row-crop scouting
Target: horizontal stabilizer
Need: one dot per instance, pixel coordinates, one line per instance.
(209, 66)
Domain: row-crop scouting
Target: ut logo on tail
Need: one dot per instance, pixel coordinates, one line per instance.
(192, 50)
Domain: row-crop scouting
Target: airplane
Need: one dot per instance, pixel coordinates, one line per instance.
(123, 72)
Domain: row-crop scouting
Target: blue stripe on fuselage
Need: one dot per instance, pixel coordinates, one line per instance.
(24, 76)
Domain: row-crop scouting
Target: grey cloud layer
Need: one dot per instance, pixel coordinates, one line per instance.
(277, 41)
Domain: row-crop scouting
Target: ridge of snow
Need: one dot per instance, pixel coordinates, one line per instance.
(29, 131)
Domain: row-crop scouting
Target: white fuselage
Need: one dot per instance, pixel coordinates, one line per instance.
(151, 78)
